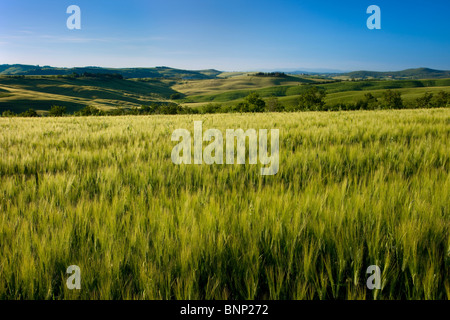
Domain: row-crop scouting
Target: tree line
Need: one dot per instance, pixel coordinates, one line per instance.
(270, 74)
(313, 99)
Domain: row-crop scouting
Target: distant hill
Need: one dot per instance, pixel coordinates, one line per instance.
(106, 89)
(412, 74)
(179, 74)
(19, 93)
(158, 72)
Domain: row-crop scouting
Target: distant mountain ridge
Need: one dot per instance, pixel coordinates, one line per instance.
(172, 73)
(419, 73)
(157, 72)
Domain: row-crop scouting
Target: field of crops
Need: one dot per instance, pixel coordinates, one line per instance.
(354, 189)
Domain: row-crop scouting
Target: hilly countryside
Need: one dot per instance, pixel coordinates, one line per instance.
(26, 87)
(355, 189)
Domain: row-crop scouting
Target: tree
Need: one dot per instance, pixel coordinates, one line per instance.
(242, 107)
(273, 105)
(89, 111)
(210, 108)
(171, 108)
(440, 100)
(255, 103)
(311, 99)
(392, 100)
(29, 113)
(8, 113)
(368, 103)
(57, 111)
(73, 75)
(147, 109)
(175, 96)
(424, 101)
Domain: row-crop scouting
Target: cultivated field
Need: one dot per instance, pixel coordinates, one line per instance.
(18, 94)
(234, 90)
(354, 189)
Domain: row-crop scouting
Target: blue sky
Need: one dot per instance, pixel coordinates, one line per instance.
(232, 35)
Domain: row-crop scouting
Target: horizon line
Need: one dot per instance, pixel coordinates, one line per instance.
(300, 69)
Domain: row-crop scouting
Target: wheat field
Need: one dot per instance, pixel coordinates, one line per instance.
(354, 189)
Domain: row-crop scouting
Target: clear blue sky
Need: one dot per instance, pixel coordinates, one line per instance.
(227, 34)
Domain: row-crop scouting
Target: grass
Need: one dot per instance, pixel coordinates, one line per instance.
(42, 93)
(289, 96)
(409, 95)
(352, 90)
(241, 82)
(354, 189)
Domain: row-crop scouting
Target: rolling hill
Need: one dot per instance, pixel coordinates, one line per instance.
(288, 93)
(129, 88)
(172, 73)
(19, 93)
(420, 73)
(157, 72)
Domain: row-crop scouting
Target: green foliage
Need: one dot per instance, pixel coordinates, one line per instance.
(175, 96)
(8, 113)
(424, 101)
(311, 99)
(211, 108)
(158, 72)
(331, 87)
(368, 103)
(74, 75)
(274, 105)
(420, 73)
(57, 111)
(170, 108)
(392, 100)
(30, 113)
(102, 76)
(270, 74)
(251, 103)
(441, 100)
(122, 97)
(89, 111)
(40, 93)
(255, 103)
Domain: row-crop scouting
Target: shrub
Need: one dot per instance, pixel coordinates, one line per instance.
(175, 96)
(89, 111)
(31, 113)
(8, 113)
(211, 108)
(440, 100)
(311, 99)
(392, 100)
(273, 105)
(368, 103)
(169, 109)
(424, 101)
(255, 103)
(57, 111)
